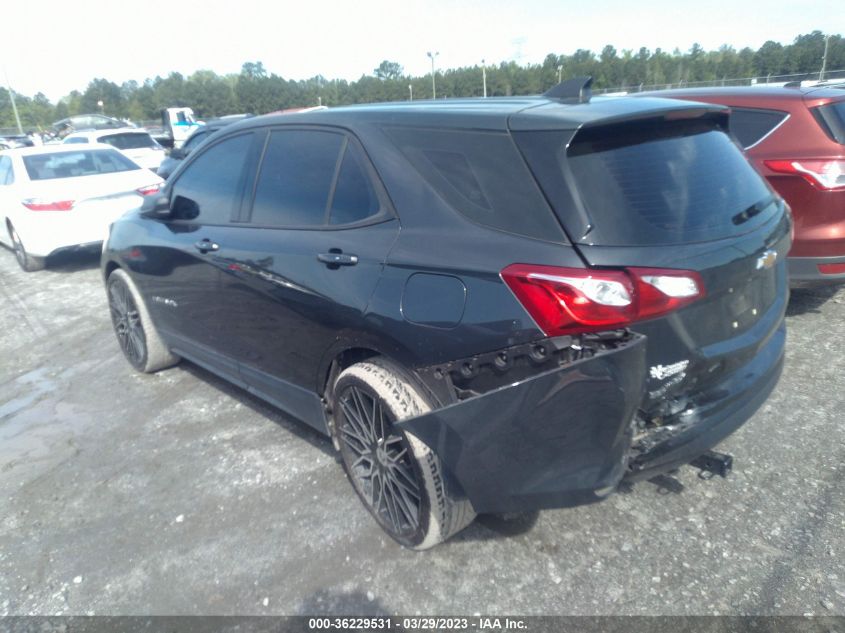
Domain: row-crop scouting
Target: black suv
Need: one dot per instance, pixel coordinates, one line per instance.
(490, 305)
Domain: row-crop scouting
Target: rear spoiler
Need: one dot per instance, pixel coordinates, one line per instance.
(568, 114)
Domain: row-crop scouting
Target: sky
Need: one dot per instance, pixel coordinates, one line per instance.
(58, 46)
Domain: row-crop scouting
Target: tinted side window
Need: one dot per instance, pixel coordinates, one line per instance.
(296, 178)
(354, 197)
(482, 176)
(76, 139)
(196, 139)
(750, 126)
(6, 175)
(210, 188)
(831, 118)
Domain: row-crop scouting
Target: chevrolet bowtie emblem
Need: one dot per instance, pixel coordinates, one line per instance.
(767, 260)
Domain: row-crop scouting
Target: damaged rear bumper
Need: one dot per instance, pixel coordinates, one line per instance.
(565, 436)
(714, 414)
(550, 440)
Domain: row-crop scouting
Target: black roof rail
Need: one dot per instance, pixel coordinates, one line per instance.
(575, 90)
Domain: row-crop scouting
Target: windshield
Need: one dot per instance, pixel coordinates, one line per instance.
(74, 164)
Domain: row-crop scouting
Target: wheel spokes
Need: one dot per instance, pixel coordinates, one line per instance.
(380, 462)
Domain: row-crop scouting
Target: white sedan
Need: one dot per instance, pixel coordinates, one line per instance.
(137, 144)
(65, 196)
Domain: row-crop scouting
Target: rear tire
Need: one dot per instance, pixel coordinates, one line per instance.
(139, 340)
(28, 263)
(398, 477)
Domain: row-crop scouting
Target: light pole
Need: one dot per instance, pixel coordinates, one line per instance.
(433, 85)
(559, 71)
(410, 92)
(484, 77)
(824, 58)
(14, 106)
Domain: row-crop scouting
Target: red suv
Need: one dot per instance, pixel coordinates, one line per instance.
(795, 137)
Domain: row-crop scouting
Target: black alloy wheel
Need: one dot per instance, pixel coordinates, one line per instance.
(127, 323)
(379, 462)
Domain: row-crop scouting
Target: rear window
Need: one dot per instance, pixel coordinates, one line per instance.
(832, 119)
(129, 140)
(73, 164)
(482, 176)
(663, 183)
(749, 126)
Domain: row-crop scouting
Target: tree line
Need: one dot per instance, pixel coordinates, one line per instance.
(258, 91)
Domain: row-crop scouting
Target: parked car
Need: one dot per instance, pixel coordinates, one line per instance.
(137, 144)
(199, 135)
(58, 197)
(81, 122)
(795, 137)
(581, 292)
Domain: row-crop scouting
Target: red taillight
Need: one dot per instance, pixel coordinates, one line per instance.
(149, 190)
(825, 174)
(37, 204)
(831, 269)
(573, 300)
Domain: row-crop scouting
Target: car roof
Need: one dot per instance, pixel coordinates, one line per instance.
(761, 91)
(107, 132)
(498, 113)
(56, 149)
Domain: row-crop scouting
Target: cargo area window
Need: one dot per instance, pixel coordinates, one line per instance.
(831, 118)
(749, 126)
(482, 176)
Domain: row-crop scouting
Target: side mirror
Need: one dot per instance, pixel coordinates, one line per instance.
(156, 206)
(178, 153)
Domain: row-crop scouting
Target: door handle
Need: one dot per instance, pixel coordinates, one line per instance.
(203, 246)
(338, 259)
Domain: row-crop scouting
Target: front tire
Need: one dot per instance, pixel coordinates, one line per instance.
(28, 263)
(139, 340)
(398, 477)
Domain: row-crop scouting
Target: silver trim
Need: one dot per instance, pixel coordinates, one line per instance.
(770, 132)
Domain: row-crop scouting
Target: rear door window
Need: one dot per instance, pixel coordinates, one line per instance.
(210, 189)
(311, 178)
(750, 126)
(296, 178)
(649, 183)
(354, 198)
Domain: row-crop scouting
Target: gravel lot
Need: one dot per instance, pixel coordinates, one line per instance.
(178, 494)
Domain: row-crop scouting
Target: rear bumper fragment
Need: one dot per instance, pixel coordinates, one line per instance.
(550, 440)
(817, 268)
(713, 415)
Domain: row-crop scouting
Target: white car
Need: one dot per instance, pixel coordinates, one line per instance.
(65, 196)
(137, 144)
